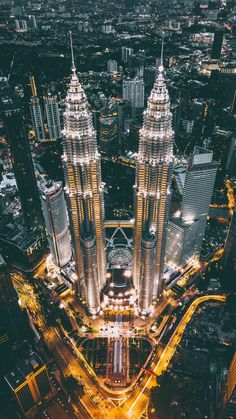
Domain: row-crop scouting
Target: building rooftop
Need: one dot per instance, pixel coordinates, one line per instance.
(50, 187)
(180, 175)
(23, 370)
(201, 156)
(13, 231)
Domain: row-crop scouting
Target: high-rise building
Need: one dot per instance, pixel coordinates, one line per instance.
(32, 22)
(229, 256)
(16, 10)
(133, 91)
(111, 66)
(229, 394)
(181, 241)
(29, 382)
(150, 75)
(53, 117)
(126, 53)
(220, 146)
(152, 192)
(124, 113)
(133, 136)
(21, 25)
(231, 160)
(55, 216)
(36, 112)
(84, 192)
(12, 325)
(37, 118)
(198, 189)
(217, 43)
(14, 121)
(108, 136)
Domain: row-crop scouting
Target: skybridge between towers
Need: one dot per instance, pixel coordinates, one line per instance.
(119, 223)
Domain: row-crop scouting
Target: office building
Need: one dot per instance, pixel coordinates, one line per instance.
(217, 43)
(220, 146)
(107, 28)
(152, 191)
(108, 136)
(133, 91)
(181, 242)
(229, 256)
(12, 325)
(52, 117)
(111, 66)
(32, 22)
(126, 53)
(36, 112)
(124, 114)
(29, 383)
(23, 250)
(231, 160)
(37, 118)
(84, 191)
(21, 25)
(150, 75)
(228, 410)
(14, 121)
(133, 136)
(55, 216)
(198, 189)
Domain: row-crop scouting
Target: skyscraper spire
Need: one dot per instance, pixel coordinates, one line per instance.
(73, 67)
(152, 193)
(161, 66)
(84, 192)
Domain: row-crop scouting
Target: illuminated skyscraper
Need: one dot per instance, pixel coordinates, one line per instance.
(55, 215)
(36, 112)
(37, 118)
(181, 241)
(186, 232)
(198, 189)
(53, 117)
(84, 192)
(16, 134)
(152, 192)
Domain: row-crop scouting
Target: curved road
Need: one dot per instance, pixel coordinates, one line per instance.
(99, 402)
(136, 404)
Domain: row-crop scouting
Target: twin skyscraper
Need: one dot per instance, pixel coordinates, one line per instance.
(84, 194)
